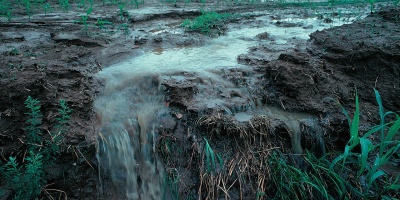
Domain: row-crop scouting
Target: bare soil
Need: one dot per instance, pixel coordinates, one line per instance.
(52, 58)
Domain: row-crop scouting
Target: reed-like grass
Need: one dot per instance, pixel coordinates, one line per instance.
(324, 179)
(373, 156)
(211, 157)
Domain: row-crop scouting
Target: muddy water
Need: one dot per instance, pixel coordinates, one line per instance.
(132, 103)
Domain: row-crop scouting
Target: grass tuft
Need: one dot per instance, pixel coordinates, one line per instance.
(208, 22)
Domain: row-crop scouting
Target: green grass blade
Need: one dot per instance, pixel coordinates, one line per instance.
(210, 157)
(354, 141)
(385, 158)
(356, 120)
(375, 129)
(365, 149)
(395, 185)
(375, 166)
(382, 120)
(374, 177)
(336, 160)
(393, 130)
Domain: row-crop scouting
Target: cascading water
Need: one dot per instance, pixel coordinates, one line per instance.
(130, 108)
(129, 111)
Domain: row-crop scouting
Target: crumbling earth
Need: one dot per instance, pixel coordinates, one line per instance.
(50, 58)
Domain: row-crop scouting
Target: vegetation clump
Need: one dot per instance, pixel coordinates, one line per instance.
(209, 22)
(326, 179)
(25, 179)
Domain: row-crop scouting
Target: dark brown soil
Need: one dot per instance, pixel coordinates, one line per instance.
(51, 60)
(337, 63)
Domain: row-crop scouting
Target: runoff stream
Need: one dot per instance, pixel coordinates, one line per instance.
(133, 100)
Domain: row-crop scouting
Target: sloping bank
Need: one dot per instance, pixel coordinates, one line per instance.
(336, 63)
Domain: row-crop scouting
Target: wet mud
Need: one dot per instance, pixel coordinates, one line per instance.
(274, 97)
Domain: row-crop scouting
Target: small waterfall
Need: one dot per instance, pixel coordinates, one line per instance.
(128, 112)
(132, 103)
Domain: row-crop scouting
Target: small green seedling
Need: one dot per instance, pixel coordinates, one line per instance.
(46, 8)
(121, 7)
(371, 3)
(84, 19)
(102, 24)
(64, 5)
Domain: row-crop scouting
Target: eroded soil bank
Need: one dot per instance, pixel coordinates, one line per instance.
(51, 58)
(335, 63)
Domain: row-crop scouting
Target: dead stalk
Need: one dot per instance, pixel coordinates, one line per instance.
(85, 159)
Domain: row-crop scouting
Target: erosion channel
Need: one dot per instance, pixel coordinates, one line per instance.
(163, 112)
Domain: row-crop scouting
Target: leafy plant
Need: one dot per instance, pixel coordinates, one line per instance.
(14, 51)
(26, 181)
(34, 138)
(369, 173)
(317, 182)
(53, 145)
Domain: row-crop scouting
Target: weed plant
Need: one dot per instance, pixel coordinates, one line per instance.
(26, 180)
(53, 145)
(34, 135)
